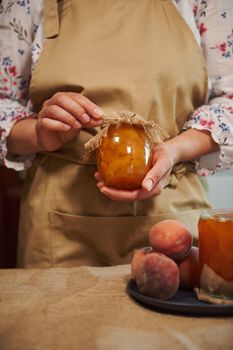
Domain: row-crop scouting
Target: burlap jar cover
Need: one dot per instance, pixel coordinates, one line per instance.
(154, 132)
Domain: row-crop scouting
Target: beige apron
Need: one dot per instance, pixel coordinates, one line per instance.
(123, 55)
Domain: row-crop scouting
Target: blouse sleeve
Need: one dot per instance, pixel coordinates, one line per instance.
(19, 21)
(215, 23)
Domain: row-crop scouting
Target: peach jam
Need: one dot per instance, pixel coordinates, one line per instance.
(124, 156)
(216, 242)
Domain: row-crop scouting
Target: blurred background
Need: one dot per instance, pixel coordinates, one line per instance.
(220, 192)
(10, 189)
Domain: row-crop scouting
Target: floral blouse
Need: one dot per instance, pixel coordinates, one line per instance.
(211, 21)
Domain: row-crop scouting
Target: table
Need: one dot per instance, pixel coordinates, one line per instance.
(87, 308)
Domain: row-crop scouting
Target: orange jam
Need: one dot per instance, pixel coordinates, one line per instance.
(216, 242)
(124, 156)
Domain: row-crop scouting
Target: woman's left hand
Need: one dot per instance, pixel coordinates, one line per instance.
(190, 144)
(152, 184)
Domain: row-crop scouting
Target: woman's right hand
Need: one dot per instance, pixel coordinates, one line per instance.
(61, 118)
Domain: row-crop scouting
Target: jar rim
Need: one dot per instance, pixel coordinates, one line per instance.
(217, 214)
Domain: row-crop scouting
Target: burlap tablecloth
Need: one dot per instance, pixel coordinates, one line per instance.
(88, 308)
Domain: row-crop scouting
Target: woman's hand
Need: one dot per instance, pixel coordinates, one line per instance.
(152, 184)
(190, 144)
(61, 118)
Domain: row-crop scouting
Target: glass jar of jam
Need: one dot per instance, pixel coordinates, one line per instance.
(124, 156)
(216, 252)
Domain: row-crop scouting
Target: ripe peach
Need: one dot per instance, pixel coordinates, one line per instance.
(190, 270)
(157, 276)
(138, 255)
(171, 238)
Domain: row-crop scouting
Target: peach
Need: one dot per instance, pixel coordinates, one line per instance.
(172, 238)
(138, 255)
(157, 276)
(190, 270)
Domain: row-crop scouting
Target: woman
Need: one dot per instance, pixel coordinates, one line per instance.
(94, 57)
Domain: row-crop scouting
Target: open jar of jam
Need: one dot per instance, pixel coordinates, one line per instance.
(216, 253)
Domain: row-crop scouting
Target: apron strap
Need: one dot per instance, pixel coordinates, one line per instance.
(51, 20)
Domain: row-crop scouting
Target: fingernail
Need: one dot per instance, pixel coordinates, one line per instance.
(66, 127)
(148, 184)
(98, 112)
(85, 118)
(77, 125)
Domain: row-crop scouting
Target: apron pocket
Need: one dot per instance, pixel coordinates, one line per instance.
(95, 241)
(100, 241)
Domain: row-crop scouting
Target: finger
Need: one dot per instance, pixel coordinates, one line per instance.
(57, 113)
(53, 125)
(136, 195)
(65, 101)
(97, 176)
(120, 195)
(91, 108)
(93, 123)
(100, 185)
(155, 174)
(157, 189)
(129, 196)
